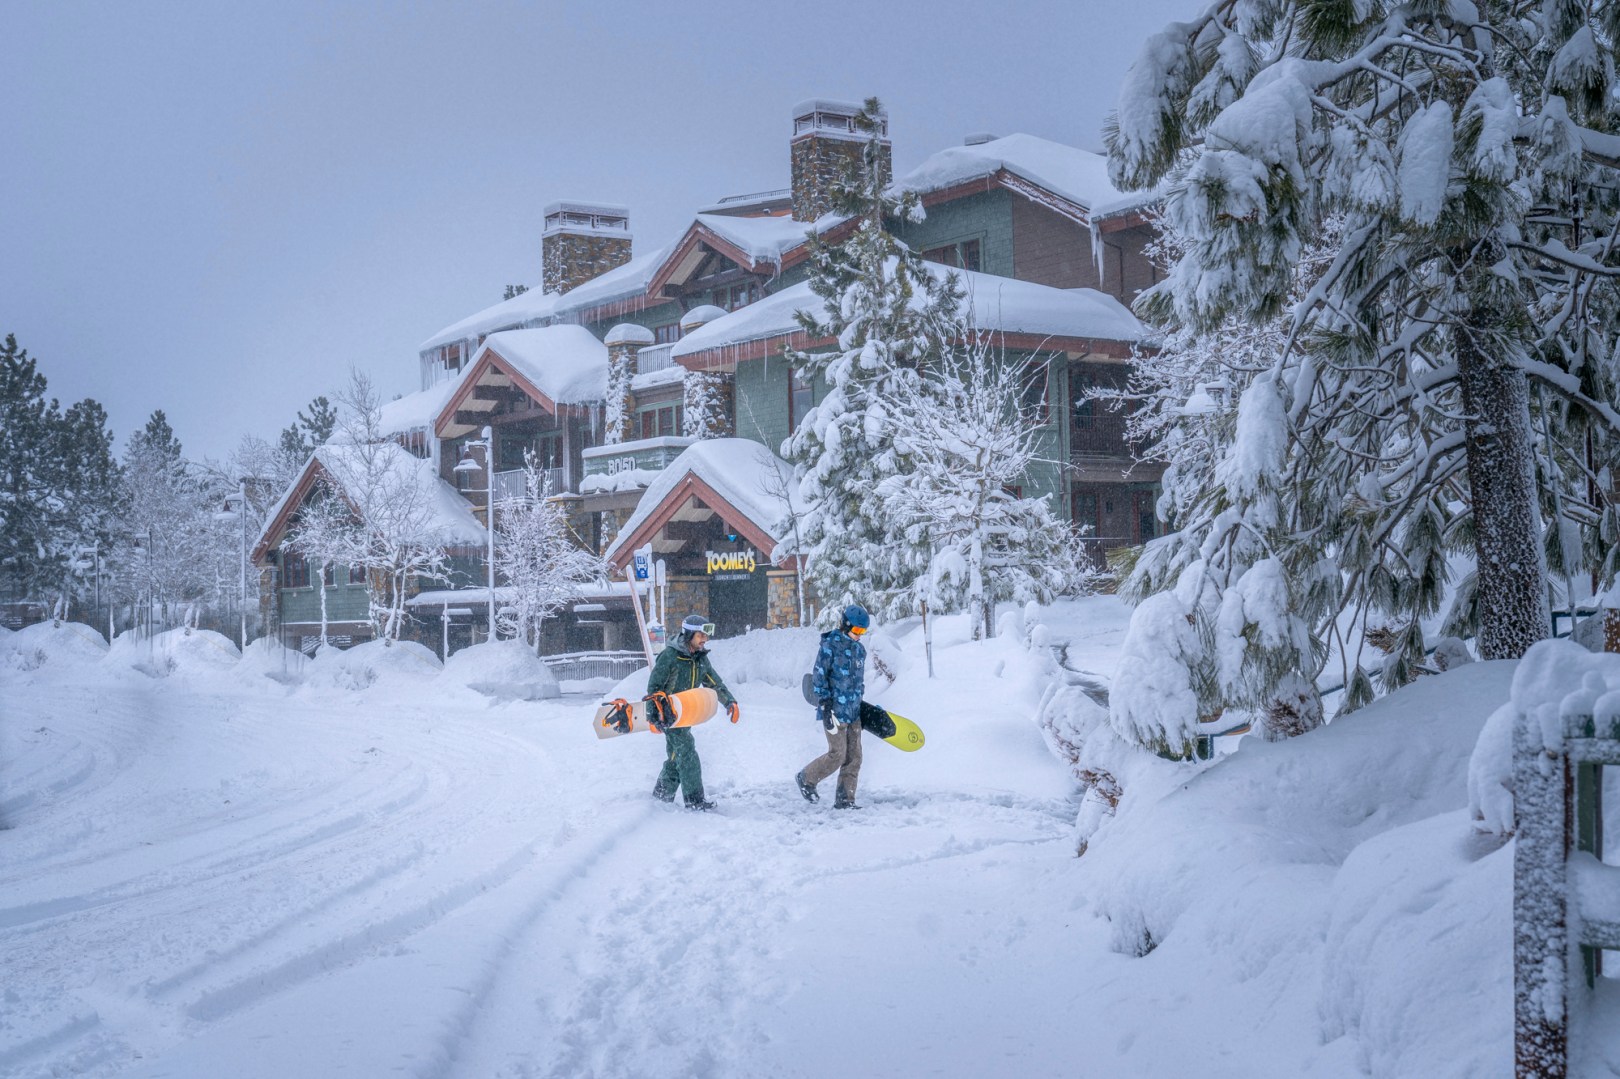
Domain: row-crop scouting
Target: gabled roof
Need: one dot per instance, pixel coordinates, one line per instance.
(555, 366)
(740, 480)
(346, 468)
(757, 244)
(1023, 313)
(1066, 179)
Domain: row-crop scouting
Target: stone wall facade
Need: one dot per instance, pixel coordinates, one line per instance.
(783, 609)
(569, 259)
(819, 162)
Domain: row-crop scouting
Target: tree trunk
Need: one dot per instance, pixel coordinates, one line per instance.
(1513, 611)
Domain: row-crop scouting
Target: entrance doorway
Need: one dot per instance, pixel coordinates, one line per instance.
(738, 601)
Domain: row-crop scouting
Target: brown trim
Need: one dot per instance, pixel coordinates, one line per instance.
(277, 528)
(488, 359)
(689, 486)
(728, 356)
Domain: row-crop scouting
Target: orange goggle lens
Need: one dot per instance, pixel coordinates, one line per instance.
(859, 631)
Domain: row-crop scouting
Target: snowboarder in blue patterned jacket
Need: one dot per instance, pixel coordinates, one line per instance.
(838, 680)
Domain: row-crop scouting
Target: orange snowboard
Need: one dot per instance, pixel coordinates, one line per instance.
(692, 706)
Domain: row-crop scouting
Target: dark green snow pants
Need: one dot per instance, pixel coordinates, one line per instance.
(682, 770)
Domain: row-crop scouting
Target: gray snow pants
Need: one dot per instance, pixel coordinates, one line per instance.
(843, 756)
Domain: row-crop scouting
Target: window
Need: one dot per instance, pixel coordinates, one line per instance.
(294, 570)
(736, 296)
(328, 576)
(667, 333)
(963, 255)
(661, 422)
(1085, 512)
(357, 575)
(801, 397)
(1032, 392)
(452, 357)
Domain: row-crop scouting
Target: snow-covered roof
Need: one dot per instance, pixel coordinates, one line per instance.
(418, 410)
(1000, 304)
(1077, 175)
(743, 472)
(536, 306)
(566, 363)
(391, 469)
(765, 239)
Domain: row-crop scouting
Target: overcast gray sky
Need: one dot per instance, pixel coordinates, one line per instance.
(215, 209)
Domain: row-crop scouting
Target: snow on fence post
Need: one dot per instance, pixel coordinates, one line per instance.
(1566, 902)
(1540, 906)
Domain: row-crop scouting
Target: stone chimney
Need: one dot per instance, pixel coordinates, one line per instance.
(582, 240)
(826, 146)
(623, 342)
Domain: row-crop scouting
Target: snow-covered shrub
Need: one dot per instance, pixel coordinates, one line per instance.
(269, 658)
(54, 644)
(366, 664)
(506, 670)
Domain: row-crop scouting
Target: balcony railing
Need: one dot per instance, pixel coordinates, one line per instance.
(655, 358)
(512, 483)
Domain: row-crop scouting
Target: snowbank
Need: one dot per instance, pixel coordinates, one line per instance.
(52, 644)
(175, 651)
(269, 658)
(779, 657)
(367, 664)
(1354, 834)
(506, 670)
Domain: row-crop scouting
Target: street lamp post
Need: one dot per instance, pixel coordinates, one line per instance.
(469, 465)
(241, 512)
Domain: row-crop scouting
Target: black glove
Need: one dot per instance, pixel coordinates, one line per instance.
(824, 712)
(660, 712)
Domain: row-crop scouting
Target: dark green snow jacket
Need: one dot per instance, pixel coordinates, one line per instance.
(678, 669)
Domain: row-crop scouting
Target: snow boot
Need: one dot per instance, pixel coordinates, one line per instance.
(845, 803)
(699, 803)
(663, 793)
(806, 789)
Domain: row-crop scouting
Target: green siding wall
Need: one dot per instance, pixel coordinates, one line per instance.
(651, 317)
(762, 401)
(344, 602)
(986, 217)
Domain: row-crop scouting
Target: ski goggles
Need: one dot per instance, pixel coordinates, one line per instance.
(707, 629)
(857, 631)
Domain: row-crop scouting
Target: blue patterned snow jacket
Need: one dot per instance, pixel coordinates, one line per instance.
(839, 677)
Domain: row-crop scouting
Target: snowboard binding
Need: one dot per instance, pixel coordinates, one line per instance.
(619, 715)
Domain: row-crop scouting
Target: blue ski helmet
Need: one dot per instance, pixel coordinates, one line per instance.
(855, 615)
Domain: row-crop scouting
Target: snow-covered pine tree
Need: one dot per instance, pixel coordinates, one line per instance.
(1462, 150)
(538, 557)
(88, 487)
(27, 421)
(889, 317)
(968, 445)
(165, 545)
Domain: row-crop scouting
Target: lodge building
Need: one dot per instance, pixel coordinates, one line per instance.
(654, 390)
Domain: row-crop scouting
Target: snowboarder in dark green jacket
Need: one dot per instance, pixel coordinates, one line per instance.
(682, 665)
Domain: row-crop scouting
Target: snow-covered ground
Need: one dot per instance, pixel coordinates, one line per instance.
(223, 867)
